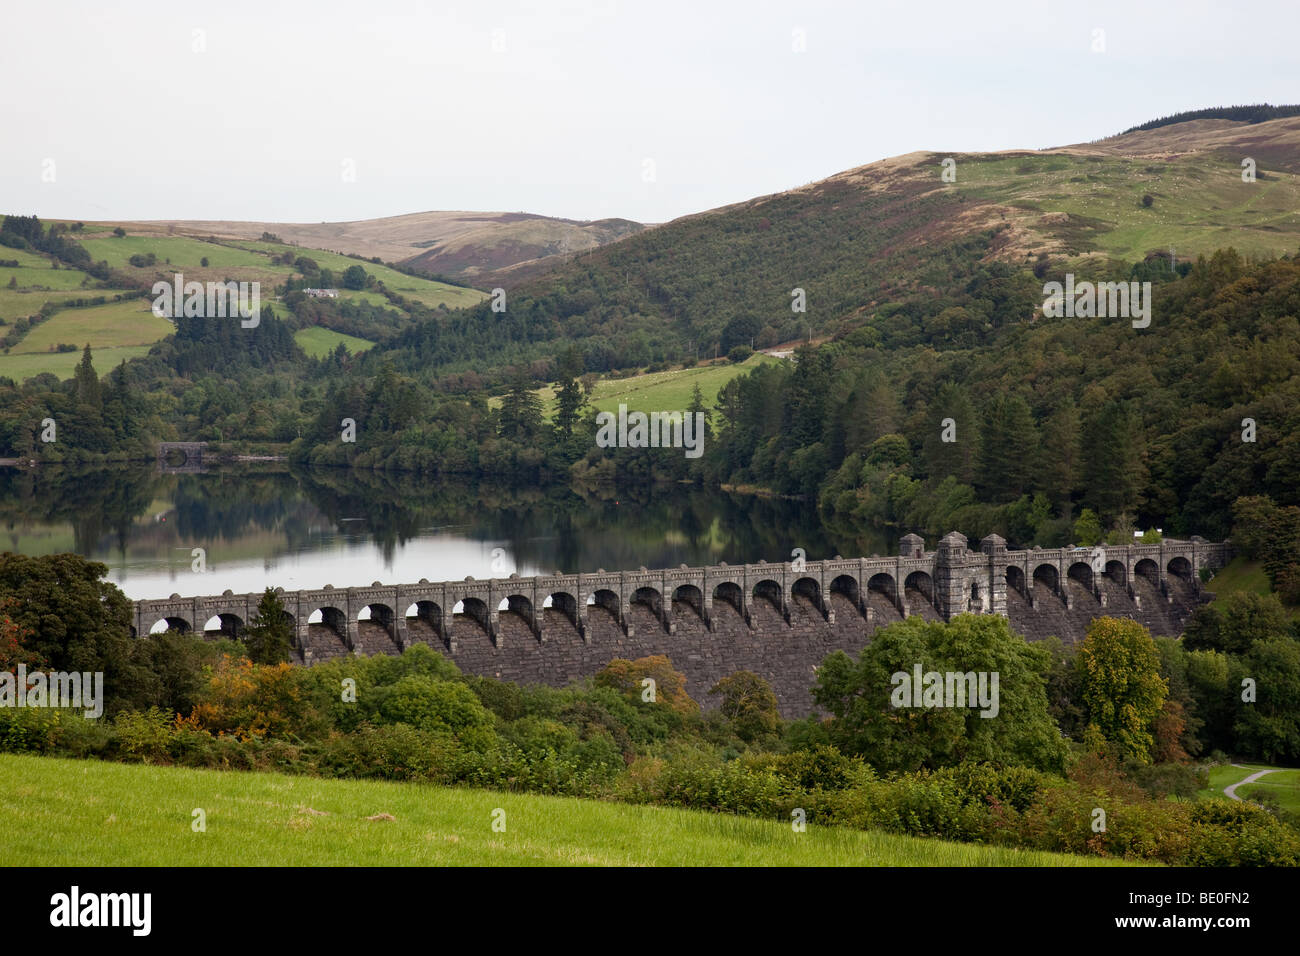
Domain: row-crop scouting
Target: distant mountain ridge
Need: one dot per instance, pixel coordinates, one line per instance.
(478, 248)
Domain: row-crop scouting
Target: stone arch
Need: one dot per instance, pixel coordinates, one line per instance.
(650, 598)
(227, 625)
(809, 588)
(517, 604)
(691, 596)
(331, 618)
(770, 591)
(728, 592)
(564, 603)
(921, 583)
(172, 622)
(1146, 568)
(377, 613)
(424, 621)
(475, 609)
(1016, 580)
(885, 584)
(847, 585)
(608, 600)
(1049, 577)
(1117, 572)
(1180, 567)
(1081, 571)
(519, 607)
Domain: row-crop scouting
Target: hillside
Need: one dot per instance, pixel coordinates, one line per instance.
(90, 813)
(866, 241)
(50, 308)
(482, 248)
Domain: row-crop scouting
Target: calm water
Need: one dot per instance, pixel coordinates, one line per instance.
(268, 525)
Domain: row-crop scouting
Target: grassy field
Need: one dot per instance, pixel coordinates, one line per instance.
(102, 326)
(1199, 204)
(62, 364)
(657, 391)
(57, 812)
(1282, 785)
(183, 253)
(1242, 575)
(19, 304)
(426, 291)
(1225, 775)
(38, 283)
(318, 342)
(41, 276)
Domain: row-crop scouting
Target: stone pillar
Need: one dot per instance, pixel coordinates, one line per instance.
(994, 548)
(951, 593)
(447, 635)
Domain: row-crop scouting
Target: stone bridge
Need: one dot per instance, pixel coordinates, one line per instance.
(193, 451)
(779, 620)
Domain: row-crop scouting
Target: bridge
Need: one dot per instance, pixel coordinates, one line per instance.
(779, 620)
(193, 451)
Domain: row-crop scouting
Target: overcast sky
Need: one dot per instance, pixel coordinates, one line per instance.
(257, 109)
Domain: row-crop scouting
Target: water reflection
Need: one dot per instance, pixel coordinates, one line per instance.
(269, 525)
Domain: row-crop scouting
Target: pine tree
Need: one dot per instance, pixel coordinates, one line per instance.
(959, 457)
(1058, 462)
(269, 635)
(570, 397)
(1008, 442)
(87, 382)
(521, 411)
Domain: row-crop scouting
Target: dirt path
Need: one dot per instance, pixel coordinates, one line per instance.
(1230, 791)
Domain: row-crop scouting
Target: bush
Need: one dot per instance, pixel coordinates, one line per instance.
(739, 353)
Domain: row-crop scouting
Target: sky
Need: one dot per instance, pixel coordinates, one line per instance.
(330, 110)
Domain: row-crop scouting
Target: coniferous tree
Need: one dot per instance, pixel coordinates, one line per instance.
(269, 635)
(87, 382)
(521, 411)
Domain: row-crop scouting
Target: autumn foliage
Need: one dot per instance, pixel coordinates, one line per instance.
(669, 687)
(247, 700)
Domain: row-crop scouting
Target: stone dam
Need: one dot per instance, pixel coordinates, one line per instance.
(778, 620)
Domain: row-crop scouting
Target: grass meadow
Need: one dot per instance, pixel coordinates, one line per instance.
(108, 326)
(657, 391)
(24, 366)
(319, 342)
(57, 812)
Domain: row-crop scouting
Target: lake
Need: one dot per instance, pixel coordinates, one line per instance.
(269, 525)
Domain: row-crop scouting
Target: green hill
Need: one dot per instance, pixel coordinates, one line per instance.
(125, 330)
(865, 242)
(58, 812)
